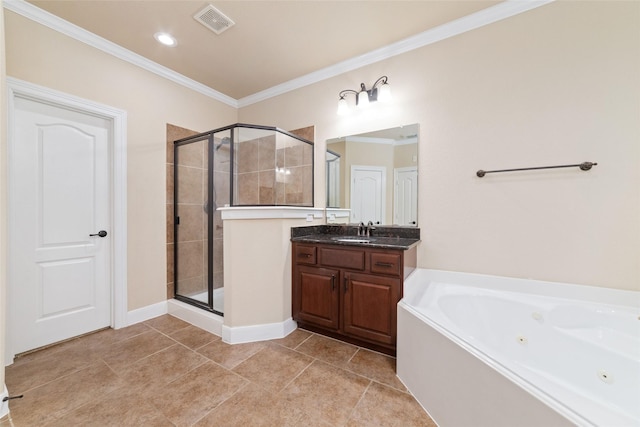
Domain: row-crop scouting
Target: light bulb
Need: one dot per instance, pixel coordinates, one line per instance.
(384, 92)
(165, 39)
(363, 99)
(343, 108)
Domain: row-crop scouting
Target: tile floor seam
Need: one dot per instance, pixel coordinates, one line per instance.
(188, 348)
(220, 404)
(231, 370)
(110, 367)
(184, 345)
(142, 358)
(60, 377)
(392, 387)
(299, 373)
(77, 408)
(303, 341)
(196, 366)
(344, 368)
(353, 410)
(203, 345)
(132, 336)
(56, 417)
(216, 363)
(164, 333)
(353, 355)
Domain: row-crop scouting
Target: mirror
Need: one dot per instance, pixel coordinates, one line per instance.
(375, 176)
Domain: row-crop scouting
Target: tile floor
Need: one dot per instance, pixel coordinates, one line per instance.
(166, 372)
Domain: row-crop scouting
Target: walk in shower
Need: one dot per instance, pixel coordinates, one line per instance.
(237, 165)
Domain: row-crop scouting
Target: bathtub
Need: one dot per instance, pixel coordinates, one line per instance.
(484, 350)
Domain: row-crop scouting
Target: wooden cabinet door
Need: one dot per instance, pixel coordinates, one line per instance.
(370, 307)
(316, 296)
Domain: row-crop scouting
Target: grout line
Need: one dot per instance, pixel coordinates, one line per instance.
(299, 373)
(303, 341)
(352, 356)
(223, 401)
(353, 410)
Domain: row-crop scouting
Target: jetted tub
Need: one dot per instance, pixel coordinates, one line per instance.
(484, 350)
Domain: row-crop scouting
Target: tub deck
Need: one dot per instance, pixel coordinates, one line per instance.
(486, 350)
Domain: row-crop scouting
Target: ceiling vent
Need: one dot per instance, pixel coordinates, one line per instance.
(213, 19)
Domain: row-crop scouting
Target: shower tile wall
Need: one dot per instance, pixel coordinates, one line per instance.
(192, 236)
(274, 170)
(256, 171)
(305, 170)
(192, 247)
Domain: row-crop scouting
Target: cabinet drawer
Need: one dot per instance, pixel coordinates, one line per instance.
(354, 260)
(305, 255)
(383, 263)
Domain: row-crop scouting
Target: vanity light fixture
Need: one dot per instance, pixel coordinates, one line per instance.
(166, 39)
(380, 91)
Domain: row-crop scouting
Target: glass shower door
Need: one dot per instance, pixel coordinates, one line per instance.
(194, 217)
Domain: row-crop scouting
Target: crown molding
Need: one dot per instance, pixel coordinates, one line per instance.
(470, 22)
(478, 19)
(47, 19)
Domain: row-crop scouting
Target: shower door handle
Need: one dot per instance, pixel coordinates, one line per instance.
(100, 233)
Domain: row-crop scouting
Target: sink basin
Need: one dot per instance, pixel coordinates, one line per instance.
(351, 239)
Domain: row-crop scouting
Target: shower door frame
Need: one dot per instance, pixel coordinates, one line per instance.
(207, 136)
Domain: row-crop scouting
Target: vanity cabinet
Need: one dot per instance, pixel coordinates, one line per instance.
(350, 292)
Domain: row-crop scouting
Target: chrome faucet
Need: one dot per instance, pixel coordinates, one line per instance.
(361, 229)
(369, 228)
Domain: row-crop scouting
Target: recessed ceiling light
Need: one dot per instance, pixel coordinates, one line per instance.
(166, 39)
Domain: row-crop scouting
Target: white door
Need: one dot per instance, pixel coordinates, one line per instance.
(368, 186)
(59, 200)
(405, 196)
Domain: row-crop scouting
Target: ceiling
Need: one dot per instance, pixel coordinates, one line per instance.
(271, 43)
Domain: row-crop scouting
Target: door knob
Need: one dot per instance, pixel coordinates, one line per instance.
(100, 233)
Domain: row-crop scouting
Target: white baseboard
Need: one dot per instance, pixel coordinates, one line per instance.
(4, 406)
(268, 331)
(212, 322)
(196, 316)
(146, 313)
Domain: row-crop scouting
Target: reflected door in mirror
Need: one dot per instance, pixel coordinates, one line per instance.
(368, 194)
(405, 204)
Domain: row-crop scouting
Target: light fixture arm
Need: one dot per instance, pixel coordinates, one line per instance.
(364, 96)
(382, 80)
(343, 93)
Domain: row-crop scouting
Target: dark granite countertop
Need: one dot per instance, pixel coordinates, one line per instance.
(383, 237)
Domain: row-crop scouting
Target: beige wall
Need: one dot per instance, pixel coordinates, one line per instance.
(61, 63)
(558, 84)
(404, 156)
(257, 264)
(3, 195)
